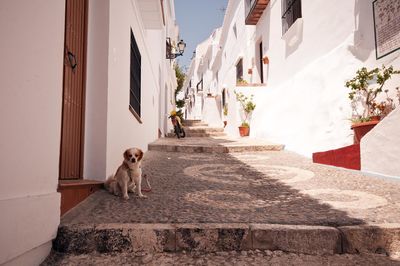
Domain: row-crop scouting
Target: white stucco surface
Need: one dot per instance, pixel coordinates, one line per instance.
(31, 93)
(123, 129)
(96, 91)
(211, 113)
(310, 111)
(28, 223)
(380, 148)
(110, 126)
(31, 72)
(303, 102)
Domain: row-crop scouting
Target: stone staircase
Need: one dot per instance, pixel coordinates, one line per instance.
(200, 138)
(199, 129)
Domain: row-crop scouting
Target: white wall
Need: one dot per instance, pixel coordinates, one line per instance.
(305, 103)
(31, 69)
(95, 151)
(123, 129)
(380, 148)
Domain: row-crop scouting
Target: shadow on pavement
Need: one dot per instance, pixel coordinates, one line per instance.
(208, 188)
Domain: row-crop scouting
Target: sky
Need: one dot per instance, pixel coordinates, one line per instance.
(197, 19)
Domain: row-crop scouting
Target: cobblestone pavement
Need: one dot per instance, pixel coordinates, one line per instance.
(219, 258)
(259, 187)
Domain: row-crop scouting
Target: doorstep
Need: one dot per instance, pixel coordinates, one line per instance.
(75, 191)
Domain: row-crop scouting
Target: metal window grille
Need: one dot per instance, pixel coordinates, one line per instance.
(291, 10)
(135, 77)
(239, 70)
(199, 86)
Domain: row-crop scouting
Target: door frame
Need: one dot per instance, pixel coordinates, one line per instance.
(84, 76)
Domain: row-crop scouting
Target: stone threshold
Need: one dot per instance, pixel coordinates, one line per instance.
(75, 191)
(214, 237)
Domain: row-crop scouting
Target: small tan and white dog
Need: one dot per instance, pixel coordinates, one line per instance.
(128, 176)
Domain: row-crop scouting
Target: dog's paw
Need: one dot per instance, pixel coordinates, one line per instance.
(126, 197)
(142, 196)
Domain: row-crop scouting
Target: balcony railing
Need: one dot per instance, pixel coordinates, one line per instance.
(254, 10)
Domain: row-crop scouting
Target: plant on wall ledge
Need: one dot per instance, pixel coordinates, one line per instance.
(247, 105)
(241, 81)
(225, 113)
(363, 92)
(365, 87)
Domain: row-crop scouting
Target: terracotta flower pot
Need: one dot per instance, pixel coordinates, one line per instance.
(244, 131)
(360, 129)
(225, 123)
(375, 118)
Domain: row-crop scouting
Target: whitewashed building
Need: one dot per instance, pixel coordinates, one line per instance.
(201, 84)
(295, 57)
(80, 81)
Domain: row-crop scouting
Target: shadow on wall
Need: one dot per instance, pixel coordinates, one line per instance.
(293, 37)
(364, 38)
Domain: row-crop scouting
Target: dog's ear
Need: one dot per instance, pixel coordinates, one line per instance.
(140, 155)
(126, 155)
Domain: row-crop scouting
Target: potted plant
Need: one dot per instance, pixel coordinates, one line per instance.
(225, 112)
(247, 105)
(241, 82)
(365, 88)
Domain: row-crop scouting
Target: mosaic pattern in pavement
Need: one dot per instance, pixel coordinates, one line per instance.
(263, 187)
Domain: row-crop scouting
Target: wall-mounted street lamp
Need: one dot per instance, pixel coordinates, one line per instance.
(180, 47)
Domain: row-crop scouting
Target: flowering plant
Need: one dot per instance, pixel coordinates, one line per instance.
(363, 91)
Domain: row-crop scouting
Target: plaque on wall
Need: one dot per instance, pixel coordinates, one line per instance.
(386, 26)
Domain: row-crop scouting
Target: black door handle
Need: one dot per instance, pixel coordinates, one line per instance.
(72, 60)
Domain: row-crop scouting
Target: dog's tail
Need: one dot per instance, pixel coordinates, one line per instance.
(109, 180)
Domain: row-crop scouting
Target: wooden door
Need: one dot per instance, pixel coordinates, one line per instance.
(71, 154)
(261, 63)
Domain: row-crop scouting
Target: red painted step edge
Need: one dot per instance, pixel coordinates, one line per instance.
(346, 157)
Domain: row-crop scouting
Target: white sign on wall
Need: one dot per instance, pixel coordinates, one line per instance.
(387, 26)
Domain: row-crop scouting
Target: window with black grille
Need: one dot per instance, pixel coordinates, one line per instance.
(291, 10)
(239, 70)
(199, 85)
(135, 77)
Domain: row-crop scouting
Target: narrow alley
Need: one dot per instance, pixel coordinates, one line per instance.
(211, 203)
(268, 130)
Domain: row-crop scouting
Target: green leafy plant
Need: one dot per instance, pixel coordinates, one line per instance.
(180, 78)
(225, 110)
(241, 81)
(362, 89)
(247, 105)
(180, 103)
(245, 124)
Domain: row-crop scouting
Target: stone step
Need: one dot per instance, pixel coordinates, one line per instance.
(198, 135)
(257, 257)
(213, 145)
(192, 129)
(194, 123)
(215, 237)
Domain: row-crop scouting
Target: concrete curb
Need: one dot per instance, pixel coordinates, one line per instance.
(212, 237)
(377, 238)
